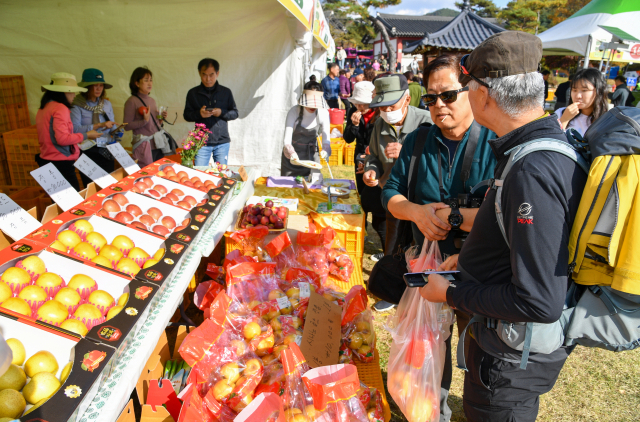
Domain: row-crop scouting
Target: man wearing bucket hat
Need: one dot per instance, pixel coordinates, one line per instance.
(398, 119)
(92, 111)
(58, 142)
(303, 124)
(514, 264)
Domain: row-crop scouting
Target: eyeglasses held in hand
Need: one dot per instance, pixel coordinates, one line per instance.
(447, 97)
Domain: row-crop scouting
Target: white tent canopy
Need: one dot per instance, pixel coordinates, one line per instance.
(265, 53)
(571, 36)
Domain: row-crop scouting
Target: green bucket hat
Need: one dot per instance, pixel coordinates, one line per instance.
(91, 77)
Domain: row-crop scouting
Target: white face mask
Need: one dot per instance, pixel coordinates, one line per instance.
(392, 117)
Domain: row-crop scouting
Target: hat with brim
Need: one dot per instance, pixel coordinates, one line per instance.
(92, 77)
(63, 82)
(362, 93)
(313, 99)
(389, 90)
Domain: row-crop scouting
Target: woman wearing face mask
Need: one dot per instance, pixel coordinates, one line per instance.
(360, 122)
(588, 101)
(92, 111)
(58, 142)
(304, 122)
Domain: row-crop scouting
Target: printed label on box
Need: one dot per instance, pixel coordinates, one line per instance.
(14, 221)
(52, 181)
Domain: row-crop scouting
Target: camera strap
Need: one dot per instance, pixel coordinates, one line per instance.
(470, 151)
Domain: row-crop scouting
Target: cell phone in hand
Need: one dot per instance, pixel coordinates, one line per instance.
(421, 279)
(209, 109)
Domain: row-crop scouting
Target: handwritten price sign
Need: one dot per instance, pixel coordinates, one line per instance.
(123, 158)
(14, 221)
(94, 172)
(52, 181)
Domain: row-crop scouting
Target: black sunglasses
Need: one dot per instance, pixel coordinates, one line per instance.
(465, 72)
(447, 97)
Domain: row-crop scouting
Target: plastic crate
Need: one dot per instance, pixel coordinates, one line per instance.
(5, 176)
(22, 144)
(371, 375)
(349, 154)
(337, 151)
(12, 89)
(353, 241)
(5, 123)
(21, 172)
(18, 115)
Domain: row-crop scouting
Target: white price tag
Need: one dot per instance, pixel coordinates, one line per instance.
(298, 340)
(283, 302)
(94, 172)
(14, 221)
(123, 158)
(52, 181)
(305, 290)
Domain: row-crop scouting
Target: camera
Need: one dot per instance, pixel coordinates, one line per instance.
(464, 200)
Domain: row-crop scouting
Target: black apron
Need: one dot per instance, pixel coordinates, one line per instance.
(305, 143)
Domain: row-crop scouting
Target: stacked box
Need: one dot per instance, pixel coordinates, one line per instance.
(14, 114)
(349, 150)
(21, 147)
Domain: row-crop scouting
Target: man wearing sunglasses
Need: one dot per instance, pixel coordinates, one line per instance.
(452, 156)
(514, 265)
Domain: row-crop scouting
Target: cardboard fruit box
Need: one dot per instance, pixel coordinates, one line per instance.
(162, 271)
(115, 332)
(90, 366)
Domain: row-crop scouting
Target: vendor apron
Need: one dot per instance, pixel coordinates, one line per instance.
(305, 143)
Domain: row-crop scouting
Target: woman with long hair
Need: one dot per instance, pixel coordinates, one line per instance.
(58, 142)
(587, 103)
(304, 123)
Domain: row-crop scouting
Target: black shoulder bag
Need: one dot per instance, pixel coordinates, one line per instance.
(385, 281)
(172, 142)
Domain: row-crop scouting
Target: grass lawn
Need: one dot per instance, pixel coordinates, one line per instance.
(594, 386)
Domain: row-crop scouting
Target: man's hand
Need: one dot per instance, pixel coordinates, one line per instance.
(204, 113)
(355, 118)
(369, 178)
(324, 155)
(216, 112)
(435, 290)
(432, 227)
(451, 264)
(393, 150)
(569, 113)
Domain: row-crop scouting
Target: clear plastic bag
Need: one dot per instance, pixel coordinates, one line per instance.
(357, 325)
(416, 358)
(266, 407)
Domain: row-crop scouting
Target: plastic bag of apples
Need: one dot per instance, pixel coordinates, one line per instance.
(323, 253)
(267, 407)
(416, 359)
(357, 323)
(250, 242)
(297, 399)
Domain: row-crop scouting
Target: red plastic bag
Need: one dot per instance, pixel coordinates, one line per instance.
(416, 359)
(372, 401)
(266, 407)
(357, 325)
(281, 252)
(296, 399)
(251, 282)
(207, 409)
(250, 241)
(334, 390)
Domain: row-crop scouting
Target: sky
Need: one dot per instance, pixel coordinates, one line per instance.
(420, 7)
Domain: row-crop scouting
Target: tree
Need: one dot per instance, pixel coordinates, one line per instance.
(482, 8)
(524, 15)
(360, 8)
(565, 12)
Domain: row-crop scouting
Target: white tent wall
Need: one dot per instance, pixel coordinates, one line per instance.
(254, 41)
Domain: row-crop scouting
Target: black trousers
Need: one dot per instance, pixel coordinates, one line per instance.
(447, 374)
(102, 162)
(346, 103)
(157, 154)
(499, 391)
(391, 234)
(379, 224)
(333, 103)
(65, 167)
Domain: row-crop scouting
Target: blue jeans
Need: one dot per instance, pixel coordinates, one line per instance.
(220, 154)
(341, 61)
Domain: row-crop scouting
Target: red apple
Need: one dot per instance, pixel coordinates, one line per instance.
(134, 210)
(120, 199)
(184, 204)
(111, 206)
(172, 196)
(160, 189)
(188, 183)
(175, 179)
(168, 222)
(166, 200)
(278, 225)
(134, 190)
(138, 225)
(182, 174)
(269, 204)
(124, 217)
(143, 110)
(179, 228)
(177, 192)
(160, 229)
(273, 218)
(204, 201)
(267, 212)
(147, 220)
(186, 221)
(282, 215)
(191, 200)
(154, 193)
(103, 213)
(141, 186)
(154, 213)
(147, 181)
(264, 221)
(195, 179)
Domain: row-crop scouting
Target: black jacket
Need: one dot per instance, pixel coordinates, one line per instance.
(621, 96)
(361, 133)
(219, 97)
(528, 281)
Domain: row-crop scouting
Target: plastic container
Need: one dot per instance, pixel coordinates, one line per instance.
(349, 154)
(18, 115)
(336, 116)
(21, 144)
(12, 89)
(21, 172)
(337, 152)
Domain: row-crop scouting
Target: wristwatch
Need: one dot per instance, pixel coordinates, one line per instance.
(455, 219)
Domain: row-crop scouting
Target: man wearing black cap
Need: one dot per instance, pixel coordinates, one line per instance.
(515, 274)
(397, 120)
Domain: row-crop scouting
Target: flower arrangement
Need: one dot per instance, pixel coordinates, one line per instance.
(196, 139)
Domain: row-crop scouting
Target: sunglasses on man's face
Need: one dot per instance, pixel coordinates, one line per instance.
(465, 72)
(447, 97)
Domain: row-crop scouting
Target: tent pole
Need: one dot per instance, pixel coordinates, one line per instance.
(587, 54)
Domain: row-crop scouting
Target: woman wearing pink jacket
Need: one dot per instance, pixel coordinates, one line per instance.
(58, 143)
